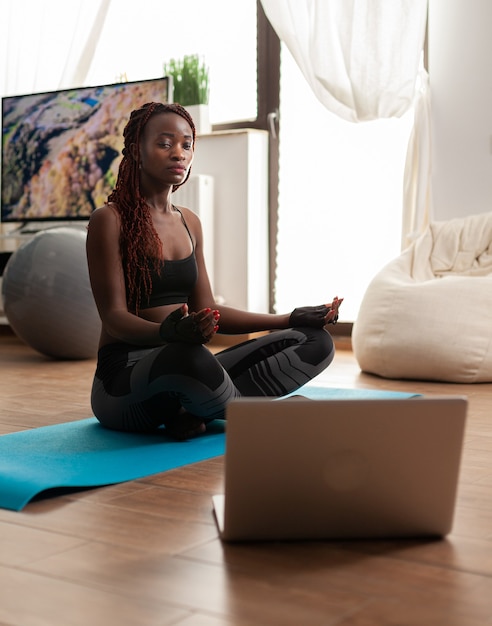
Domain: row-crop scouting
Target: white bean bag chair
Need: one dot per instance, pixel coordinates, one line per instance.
(427, 315)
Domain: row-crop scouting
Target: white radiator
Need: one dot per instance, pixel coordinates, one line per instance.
(197, 194)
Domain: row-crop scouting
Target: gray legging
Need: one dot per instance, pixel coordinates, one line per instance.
(136, 389)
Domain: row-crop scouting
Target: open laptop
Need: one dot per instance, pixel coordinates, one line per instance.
(340, 469)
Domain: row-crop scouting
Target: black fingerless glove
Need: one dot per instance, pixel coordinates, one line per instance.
(176, 328)
(312, 316)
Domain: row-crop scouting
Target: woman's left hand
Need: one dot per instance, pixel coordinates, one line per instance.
(316, 316)
(332, 312)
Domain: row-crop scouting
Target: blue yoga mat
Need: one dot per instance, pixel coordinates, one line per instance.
(83, 454)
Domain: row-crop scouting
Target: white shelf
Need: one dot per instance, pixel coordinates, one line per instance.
(238, 162)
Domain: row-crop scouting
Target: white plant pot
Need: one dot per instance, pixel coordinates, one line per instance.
(201, 116)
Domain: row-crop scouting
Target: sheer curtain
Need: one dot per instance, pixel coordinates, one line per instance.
(48, 45)
(417, 188)
(360, 60)
(360, 57)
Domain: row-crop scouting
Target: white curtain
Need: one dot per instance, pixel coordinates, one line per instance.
(361, 58)
(417, 187)
(35, 37)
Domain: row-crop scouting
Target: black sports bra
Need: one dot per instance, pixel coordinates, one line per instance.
(175, 281)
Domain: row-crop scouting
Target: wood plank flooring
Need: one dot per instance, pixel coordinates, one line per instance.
(146, 553)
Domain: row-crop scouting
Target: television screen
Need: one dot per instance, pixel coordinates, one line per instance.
(61, 150)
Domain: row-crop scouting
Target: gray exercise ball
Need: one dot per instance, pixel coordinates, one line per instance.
(47, 296)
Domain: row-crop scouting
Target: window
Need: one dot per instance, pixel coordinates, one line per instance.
(340, 198)
(134, 44)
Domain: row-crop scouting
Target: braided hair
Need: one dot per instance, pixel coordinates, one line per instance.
(140, 245)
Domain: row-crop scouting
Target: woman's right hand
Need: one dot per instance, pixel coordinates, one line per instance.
(207, 321)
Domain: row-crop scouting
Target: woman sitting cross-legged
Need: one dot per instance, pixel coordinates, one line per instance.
(150, 284)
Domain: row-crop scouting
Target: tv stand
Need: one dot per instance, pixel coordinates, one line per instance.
(31, 228)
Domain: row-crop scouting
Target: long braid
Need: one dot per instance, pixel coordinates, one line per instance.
(140, 245)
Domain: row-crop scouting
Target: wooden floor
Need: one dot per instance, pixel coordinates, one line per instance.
(146, 553)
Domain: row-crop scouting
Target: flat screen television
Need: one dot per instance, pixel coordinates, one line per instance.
(61, 149)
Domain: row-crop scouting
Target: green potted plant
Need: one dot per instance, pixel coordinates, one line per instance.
(190, 77)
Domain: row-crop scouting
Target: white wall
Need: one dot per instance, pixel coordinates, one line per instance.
(460, 56)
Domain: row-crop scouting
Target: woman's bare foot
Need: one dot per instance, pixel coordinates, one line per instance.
(184, 426)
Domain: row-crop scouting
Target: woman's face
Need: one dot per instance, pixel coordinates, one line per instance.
(166, 150)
